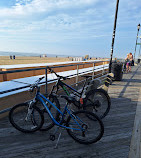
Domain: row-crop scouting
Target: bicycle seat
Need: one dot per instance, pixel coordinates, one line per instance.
(95, 82)
(69, 99)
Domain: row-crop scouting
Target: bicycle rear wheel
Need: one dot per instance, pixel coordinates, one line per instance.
(98, 102)
(93, 129)
(20, 118)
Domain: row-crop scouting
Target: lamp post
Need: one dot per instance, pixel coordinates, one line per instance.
(113, 37)
(139, 55)
(140, 47)
(138, 28)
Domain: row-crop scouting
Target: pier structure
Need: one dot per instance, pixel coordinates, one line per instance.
(122, 136)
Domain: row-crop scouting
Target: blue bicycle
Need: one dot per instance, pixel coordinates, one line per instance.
(83, 126)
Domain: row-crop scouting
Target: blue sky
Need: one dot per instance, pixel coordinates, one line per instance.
(68, 27)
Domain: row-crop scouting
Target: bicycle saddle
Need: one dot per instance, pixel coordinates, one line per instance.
(69, 99)
(95, 82)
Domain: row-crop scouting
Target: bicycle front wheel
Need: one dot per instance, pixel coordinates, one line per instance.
(85, 127)
(98, 102)
(20, 118)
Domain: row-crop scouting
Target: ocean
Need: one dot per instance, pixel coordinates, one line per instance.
(2, 53)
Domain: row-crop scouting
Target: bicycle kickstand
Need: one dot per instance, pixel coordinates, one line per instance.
(52, 136)
(58, 140)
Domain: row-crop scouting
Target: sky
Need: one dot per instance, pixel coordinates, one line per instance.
(69, 27)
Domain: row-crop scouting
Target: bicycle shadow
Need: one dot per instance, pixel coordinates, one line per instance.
(116, 140)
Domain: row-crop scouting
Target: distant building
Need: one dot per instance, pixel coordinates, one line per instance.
(77, 59)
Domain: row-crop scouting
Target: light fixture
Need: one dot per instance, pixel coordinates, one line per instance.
(138, 27)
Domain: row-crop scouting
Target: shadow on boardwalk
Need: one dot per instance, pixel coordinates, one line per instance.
(114, 144)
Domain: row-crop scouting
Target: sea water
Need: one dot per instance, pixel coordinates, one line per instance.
(3, 53)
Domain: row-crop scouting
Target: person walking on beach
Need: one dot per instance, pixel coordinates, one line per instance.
(10, 56)
(14, 57)
(128, 60)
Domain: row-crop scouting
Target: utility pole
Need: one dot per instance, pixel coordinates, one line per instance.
(113, 38)
(140, 47)
(138, 28)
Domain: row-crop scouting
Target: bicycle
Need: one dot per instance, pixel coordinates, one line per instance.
(83, 126)
(21, 114)
(89, 95)
(89, 98)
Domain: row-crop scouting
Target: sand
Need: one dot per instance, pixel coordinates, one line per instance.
(5, 60)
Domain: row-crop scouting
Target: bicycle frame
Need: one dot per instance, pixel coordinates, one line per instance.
(62, 85)
(40, 97)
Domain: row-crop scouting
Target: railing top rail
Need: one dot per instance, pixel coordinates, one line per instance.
(23, 87)
(44, 64)
(41, 68)
(20, 88)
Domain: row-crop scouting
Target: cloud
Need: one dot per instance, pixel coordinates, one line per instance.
(25, 8)
(56, 22)
(72, 21)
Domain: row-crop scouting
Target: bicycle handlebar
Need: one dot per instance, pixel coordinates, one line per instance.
(52, 71)
(35, 84)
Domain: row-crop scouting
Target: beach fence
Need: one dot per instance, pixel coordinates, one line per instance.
(16, 81)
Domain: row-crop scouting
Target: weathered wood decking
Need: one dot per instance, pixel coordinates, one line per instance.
(114, 144)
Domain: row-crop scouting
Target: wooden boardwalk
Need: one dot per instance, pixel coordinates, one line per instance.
(114, 144)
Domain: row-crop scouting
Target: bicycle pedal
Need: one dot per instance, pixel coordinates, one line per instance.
(52, 137)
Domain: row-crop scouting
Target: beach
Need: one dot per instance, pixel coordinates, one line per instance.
(5, 60)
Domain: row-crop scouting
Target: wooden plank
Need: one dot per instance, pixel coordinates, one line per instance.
(135, 147)
(114, 144)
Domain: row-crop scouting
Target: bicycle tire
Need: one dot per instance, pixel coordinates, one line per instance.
(48, 123)
(94, 127)
(18, 116)
(98, 102)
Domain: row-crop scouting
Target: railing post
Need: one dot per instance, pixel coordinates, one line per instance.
(46, 81)
(103, 69)
(77, 75)
(93, 70)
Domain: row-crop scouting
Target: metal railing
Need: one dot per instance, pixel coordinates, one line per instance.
(100, 75)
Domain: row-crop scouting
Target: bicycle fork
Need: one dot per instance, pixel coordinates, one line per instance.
(30, 113)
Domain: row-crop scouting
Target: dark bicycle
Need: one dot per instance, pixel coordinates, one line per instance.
(89, 98)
